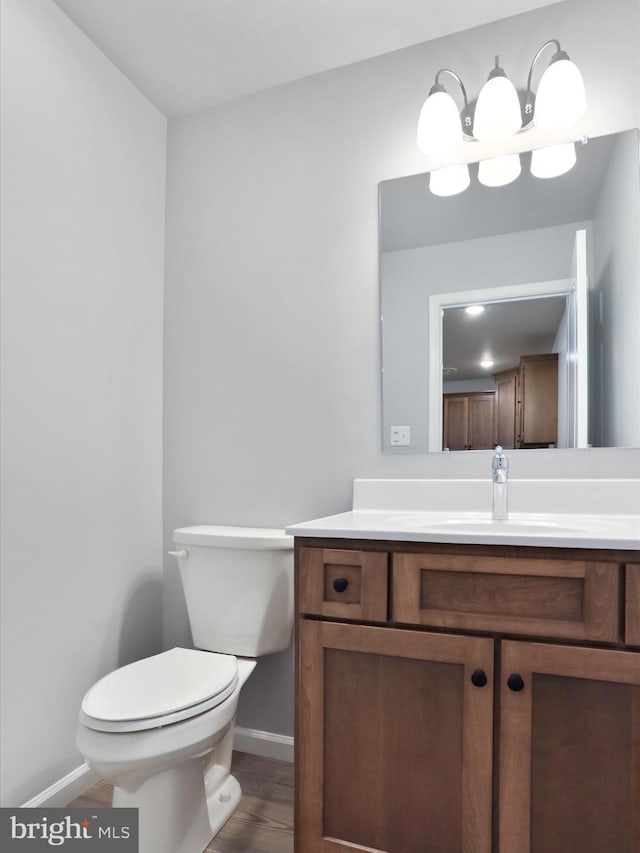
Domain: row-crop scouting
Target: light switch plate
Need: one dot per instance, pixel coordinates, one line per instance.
(400, 436)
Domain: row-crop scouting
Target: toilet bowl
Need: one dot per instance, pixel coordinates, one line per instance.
(160, 730)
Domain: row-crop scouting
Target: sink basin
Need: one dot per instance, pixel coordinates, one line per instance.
(486, 525)
(523, 524)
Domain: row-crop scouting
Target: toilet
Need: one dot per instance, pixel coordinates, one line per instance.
(160, 730)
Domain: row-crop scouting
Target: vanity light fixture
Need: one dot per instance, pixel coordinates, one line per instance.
(559, 102)
(497, 113)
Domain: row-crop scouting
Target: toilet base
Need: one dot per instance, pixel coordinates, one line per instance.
(175, 815)
(222, 804)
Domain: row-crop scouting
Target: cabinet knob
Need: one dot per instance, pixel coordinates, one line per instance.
(515, 682)
(478, 678)
(340, 584)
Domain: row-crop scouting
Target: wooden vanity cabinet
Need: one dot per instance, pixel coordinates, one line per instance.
(632, 600)
(496, 709)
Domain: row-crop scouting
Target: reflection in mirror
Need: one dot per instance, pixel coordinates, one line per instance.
(505, 249)
(483, 353)
(477, 345)
(548, 403)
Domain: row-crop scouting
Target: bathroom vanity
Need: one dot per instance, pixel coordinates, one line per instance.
(464, 685)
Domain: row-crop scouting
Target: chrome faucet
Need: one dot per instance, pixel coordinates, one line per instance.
(500, 474)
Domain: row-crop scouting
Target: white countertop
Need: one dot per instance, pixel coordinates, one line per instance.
(605, 514)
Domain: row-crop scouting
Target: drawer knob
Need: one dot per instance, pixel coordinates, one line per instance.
(340, 584)
(478, 678)
(515, 682)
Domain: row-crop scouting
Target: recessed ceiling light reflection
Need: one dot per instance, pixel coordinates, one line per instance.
(474, 309)
(486, 362)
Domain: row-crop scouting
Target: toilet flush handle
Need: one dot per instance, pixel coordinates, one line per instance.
(182, 554)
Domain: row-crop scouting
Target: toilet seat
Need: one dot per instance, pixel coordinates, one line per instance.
(159, 690)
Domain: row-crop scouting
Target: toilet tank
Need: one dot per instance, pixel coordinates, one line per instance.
(238, 586)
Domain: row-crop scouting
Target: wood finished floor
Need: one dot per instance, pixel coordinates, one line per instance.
(262, 823)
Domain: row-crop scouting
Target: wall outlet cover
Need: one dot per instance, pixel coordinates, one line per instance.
(400, 436)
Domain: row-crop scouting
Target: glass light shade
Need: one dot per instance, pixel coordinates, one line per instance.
(497, 114)
(450, 180)
(561, 98)
(553, 161)
(499, 171)
(439, 125)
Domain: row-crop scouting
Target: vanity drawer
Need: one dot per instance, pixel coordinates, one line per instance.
(569, 599)
(632, 605)
(343, 584)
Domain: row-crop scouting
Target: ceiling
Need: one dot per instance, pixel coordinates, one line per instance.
(186, 55)
(503, 333)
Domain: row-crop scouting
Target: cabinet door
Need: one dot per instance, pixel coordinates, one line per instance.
(507, 412)
(569, 750)
(456, 422)
(481, 426)
(539, 389)
(393, 740)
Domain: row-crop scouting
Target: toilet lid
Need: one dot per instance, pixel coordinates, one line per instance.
(158, 690)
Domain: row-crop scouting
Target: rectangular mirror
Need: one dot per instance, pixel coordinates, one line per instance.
(553, 359)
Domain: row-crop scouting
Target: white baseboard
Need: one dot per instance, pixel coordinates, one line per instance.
(65, 790)
(253, 741)
(264, 744)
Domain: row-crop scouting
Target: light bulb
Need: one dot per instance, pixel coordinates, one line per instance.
(486, 363)
(439, 125)
(474, 310)
(497, 114)
(554, 160)
(561, 98)
(499, 171)
(449, 181)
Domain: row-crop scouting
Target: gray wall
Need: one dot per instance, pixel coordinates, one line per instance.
(272, 350)
(83, 166)
(616, 306)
